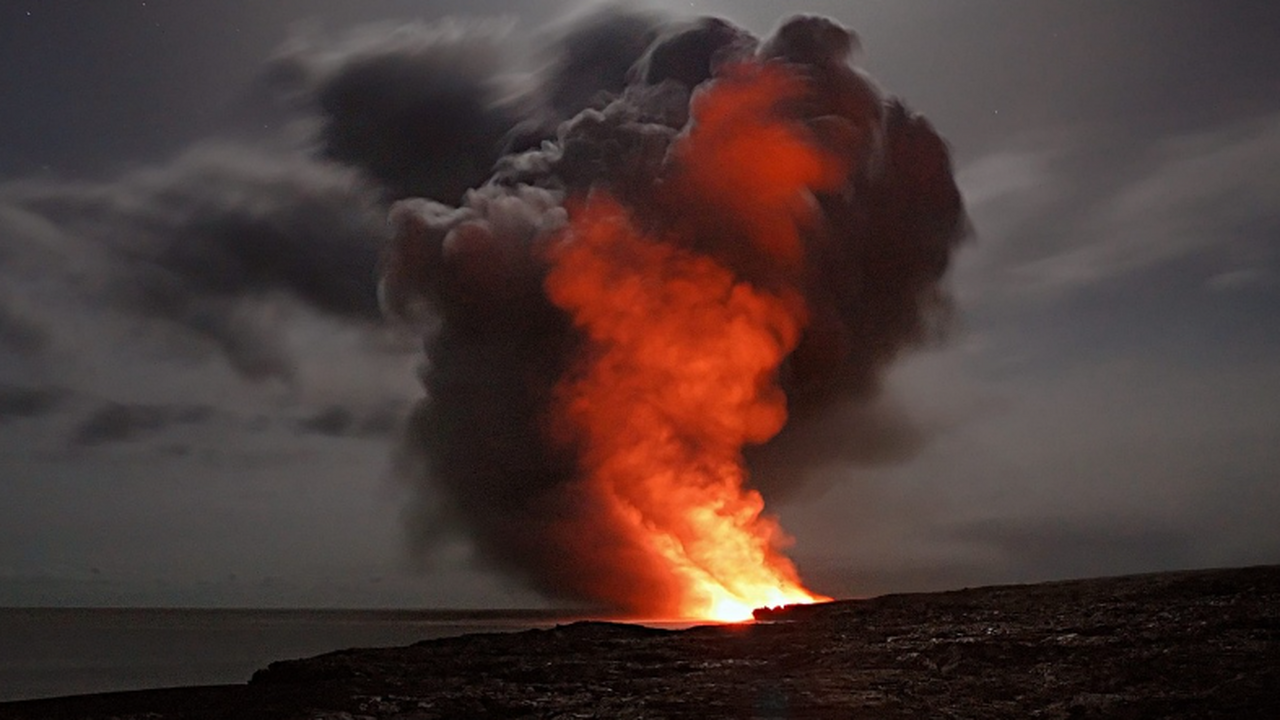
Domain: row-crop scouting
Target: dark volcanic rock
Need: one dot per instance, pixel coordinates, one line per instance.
(1200, 644)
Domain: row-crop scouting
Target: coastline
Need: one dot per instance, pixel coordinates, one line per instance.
(1191, 644)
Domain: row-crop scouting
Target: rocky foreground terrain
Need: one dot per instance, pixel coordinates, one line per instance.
(1202, 644)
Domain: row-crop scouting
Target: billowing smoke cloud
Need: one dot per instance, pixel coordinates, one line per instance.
(687, 153)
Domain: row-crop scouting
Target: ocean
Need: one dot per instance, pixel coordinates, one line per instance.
(47, 652)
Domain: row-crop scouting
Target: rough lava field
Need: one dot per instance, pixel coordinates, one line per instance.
(1198, 644)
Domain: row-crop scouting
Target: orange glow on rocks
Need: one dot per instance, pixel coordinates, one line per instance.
(679, 369)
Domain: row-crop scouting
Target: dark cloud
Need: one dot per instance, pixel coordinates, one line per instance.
(591, 59)
(209, 240)
(333, 421)
(812, 40)
(115, 422)
(417, 107)
(26, 402)
(341, 421)
(690, 54)
(427, 110)
(481, 447)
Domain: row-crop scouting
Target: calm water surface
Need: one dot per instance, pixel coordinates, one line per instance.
(47, 652)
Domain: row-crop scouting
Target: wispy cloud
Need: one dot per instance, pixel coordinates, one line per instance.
(1209, 197)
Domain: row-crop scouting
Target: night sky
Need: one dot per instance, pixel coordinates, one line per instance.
(198, 401)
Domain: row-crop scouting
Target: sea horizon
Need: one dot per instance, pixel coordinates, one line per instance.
(54, 651)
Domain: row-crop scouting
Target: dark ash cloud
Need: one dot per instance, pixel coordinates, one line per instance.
(689, 54)
(335, 421)
(209, 241)
(588, 62)
(115, 422)
(18, 402)
(417, 107)
(479, 448)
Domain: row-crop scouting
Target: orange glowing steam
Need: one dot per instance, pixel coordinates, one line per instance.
(680, 367)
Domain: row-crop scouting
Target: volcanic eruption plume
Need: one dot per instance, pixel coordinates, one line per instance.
(646, 287)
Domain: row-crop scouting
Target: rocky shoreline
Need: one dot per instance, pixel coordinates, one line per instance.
(1199, 644)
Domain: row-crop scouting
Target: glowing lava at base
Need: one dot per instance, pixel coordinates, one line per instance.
(680, 366)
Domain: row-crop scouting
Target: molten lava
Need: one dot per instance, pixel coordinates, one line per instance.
(680, 366)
